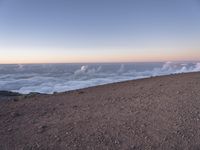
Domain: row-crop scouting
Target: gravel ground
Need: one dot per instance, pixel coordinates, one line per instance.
(154, 113)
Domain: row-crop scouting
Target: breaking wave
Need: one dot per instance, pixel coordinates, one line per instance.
(50, 78)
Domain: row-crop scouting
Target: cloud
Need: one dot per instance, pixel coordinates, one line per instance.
(81, 71)
(121, 69)
(53, 78)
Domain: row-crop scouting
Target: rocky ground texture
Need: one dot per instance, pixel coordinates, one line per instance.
(154, 113)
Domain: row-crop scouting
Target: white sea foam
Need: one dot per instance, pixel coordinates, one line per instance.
(59, 78)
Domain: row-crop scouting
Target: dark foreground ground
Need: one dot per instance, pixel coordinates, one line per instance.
(155, 113)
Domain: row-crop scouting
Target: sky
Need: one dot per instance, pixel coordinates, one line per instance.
(68, 31)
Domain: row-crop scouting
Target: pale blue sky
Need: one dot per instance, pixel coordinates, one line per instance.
(99, 30)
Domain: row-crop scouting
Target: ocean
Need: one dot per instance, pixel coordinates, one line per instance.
(50, 78)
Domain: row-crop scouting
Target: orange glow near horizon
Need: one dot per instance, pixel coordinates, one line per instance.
(132, 31)
(52, 56)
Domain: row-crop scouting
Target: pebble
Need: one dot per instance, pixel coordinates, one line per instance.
(10, 129)
(57, 138)
(75, 107)
(133, 146)
(15, 114)
(37, 145)
(117, 142)
(42, 128)
(165, 138)
(81, 92)
(15, 100)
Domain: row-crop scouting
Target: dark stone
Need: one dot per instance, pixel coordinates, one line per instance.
(10, 129)
(81, 92)
(9, 93)
(33, 94)
(15, 114)
(75, 107)
(15, 99)
(42, 128)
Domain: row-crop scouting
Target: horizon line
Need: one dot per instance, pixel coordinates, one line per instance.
(114, 62)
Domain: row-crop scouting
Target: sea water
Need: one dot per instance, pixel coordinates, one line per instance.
(50, 78)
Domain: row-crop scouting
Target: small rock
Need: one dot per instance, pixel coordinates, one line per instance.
(75, 145)
(165, 138)
(75, 107)
(42, 128)
(178, 92)
(117, 142)
(37, 145)
(57, 138)
(15, 100)
(141, 88)
(81, 92)
(129, 128)
(122, 107)
(15, 114)
(133, 147)
(10, 129)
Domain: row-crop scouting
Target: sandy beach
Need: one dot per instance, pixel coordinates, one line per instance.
(153, 113)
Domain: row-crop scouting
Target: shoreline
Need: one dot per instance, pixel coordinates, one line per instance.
(151, 113)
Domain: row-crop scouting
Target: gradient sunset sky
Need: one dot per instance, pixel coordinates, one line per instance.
(59, 31)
